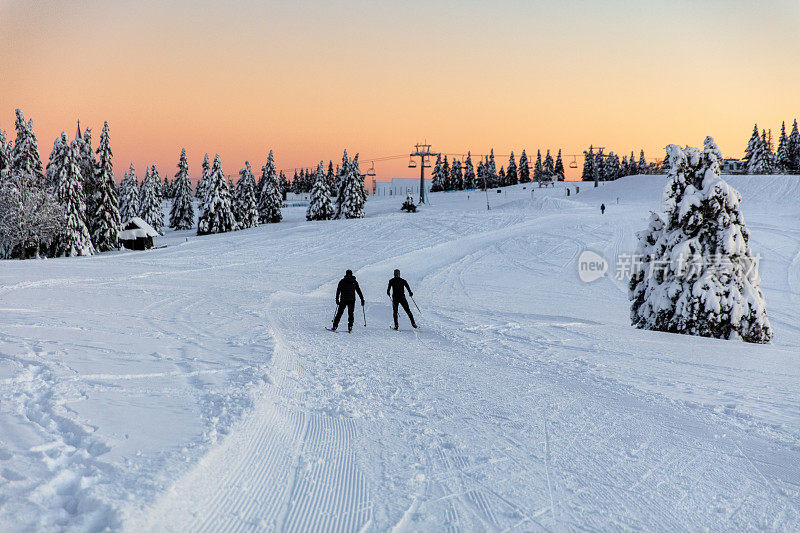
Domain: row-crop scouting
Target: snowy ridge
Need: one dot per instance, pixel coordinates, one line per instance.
(193, 387)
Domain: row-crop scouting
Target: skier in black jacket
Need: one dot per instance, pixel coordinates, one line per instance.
(346, 297)
(397, 287)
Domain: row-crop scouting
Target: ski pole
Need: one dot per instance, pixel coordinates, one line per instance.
(415, 304)
(365, 314)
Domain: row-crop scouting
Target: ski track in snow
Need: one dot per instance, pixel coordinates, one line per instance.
(193, 388)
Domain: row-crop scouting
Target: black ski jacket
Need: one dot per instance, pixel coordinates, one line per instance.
(397, 288)
(347, 289)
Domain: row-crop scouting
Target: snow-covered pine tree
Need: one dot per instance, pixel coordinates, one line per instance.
(74, 239)
(642, 167)
(599, 166)
(501, 177)
(342, 181)
(548, 167)
(757, 157)
(5, 154)
(129, 205)
(752, 145)
(524, 168)
(105, 223)
(469, 172)
(437, 180)
(456, 176)
(158, 222)
(166, 188)
(558, 169)
(269, 196)
(217, 214)
(588, 165)
(181, 215)
(769, 155)
(88, 165)
(355, 194)
(149, 204)
(480, 178)
(611, 168)
(58, 155)
(446, 175)
(320, 207)
(25, 160)
(699, 276)
(511, 171)
(201, 184)
(283, 185)
(538, 168)
(491, 169)
(245, 204)
(783, 161)
(624, 168)
(794, 148)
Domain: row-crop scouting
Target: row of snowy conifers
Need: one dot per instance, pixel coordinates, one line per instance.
(459, 176)
(598, 166)
(694, 272)
(225, 206)
(760, 158)
(74, 208)
(71, 209)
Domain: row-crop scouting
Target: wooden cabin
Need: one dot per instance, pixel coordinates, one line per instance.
(137, 234)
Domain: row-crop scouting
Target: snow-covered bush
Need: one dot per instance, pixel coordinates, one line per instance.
(697, 274)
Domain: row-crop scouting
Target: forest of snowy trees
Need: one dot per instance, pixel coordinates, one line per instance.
(73, 206)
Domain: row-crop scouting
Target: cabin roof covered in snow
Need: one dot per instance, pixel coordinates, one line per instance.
(137, 228)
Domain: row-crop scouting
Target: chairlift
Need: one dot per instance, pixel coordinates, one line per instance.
(412, 163)
(371, 170)
(574, 162)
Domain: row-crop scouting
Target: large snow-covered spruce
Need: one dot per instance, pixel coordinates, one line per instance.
(269, 195)
(104, 219)
(698, 275)
(245, 202)
(181, 215)
(217, 215)
(74, 239)
(320, 206)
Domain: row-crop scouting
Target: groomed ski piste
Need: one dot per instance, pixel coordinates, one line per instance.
(193, 387)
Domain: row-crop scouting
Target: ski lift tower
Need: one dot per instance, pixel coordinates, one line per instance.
(422, 151)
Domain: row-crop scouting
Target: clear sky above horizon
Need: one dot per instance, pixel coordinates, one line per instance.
(309, 79)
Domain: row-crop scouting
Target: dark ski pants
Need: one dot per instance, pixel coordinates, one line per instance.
(404, 303)
(350, 306)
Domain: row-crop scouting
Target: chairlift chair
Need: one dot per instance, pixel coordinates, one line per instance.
(574, 162)
(412, 163)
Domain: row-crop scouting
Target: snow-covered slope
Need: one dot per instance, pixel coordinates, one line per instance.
(194, 388)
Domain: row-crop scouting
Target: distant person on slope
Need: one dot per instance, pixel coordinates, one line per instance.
(397, 290)
(602, 209)
(346, 297)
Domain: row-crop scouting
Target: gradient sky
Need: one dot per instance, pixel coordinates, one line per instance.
(308, 79)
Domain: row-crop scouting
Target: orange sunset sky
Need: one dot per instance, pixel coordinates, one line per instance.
(308, 79)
